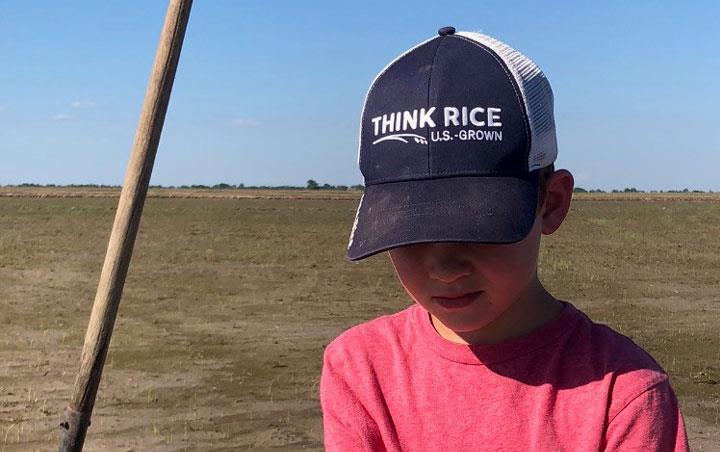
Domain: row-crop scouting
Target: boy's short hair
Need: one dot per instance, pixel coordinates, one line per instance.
(453, 133)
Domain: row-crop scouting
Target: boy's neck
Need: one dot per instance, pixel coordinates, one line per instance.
(533, 309)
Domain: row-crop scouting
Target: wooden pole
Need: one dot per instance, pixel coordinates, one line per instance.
(124, 231)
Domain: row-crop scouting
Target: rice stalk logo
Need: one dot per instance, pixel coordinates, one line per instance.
(404, 137)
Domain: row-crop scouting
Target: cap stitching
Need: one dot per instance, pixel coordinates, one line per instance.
(512, 83)
(414, 177)
(372, 85)
(427, 130)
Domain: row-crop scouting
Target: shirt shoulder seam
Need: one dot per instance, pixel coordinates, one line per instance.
(640, 394)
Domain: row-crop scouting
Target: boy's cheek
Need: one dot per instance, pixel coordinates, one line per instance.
(412, 278)
(505, 274)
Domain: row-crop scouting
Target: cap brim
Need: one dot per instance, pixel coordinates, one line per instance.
(474, 209)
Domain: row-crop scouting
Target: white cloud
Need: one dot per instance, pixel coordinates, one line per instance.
(241, 123)
(62, 117)
(2, 109)
(83, 104)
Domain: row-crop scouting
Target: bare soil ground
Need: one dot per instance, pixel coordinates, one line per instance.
(232, 296)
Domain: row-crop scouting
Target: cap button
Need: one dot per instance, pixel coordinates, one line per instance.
(444, 31)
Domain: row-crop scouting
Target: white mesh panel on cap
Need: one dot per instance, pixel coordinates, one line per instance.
(536, 94)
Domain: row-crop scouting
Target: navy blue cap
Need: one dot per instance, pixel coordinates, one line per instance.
(452, 133)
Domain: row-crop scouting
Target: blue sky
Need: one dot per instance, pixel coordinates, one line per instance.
(270, 92)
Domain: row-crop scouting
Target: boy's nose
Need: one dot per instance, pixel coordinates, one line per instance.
(447, 265)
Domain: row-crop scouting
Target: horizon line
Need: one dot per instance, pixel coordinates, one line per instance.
(318, 186)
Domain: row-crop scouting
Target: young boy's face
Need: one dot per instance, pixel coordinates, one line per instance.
(468, 286)
(490, 277)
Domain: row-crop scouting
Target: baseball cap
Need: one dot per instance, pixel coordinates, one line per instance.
(452, 134)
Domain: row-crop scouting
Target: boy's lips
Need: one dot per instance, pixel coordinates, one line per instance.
(452, 301)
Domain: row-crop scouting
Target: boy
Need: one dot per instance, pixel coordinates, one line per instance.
(457, 146)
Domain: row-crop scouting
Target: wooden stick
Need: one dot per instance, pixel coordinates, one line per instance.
(124, 231)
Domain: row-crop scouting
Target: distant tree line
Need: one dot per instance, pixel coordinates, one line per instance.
(311, 185)
(635, 190)
(314, 185)
(60, 185)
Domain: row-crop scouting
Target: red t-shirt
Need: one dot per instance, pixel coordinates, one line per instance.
(394, 384)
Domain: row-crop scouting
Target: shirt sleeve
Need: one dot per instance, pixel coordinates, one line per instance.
(651, 422)
(347, 425)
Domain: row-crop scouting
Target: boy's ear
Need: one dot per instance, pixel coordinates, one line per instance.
(557, 200)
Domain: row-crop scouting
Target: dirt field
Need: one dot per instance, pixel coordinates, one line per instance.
(231, 298)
